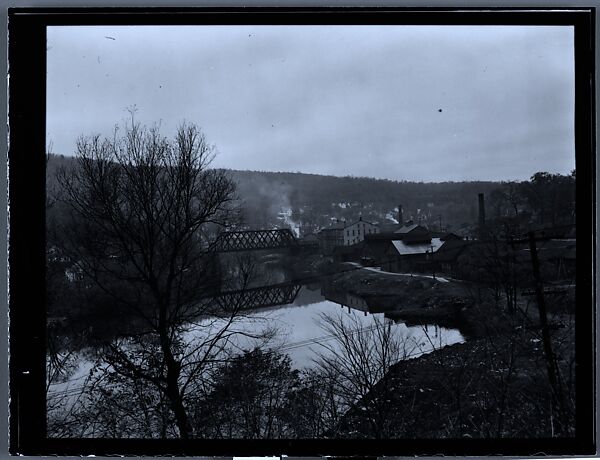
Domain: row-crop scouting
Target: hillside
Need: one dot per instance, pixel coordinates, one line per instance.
(311, 201)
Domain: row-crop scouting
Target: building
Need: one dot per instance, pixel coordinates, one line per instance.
(408, 255)
(351, 253)
(307, 229)
(339, 234)
(308, 244)
(412, 248)
(557, 258)
(355, 233)
(414, 233)
(330, 237)
(309, 238)
(446, 258)
(375, 246)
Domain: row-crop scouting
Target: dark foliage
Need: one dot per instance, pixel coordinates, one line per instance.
(249, 398)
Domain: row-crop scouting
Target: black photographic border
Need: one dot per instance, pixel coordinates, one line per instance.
(26, 171)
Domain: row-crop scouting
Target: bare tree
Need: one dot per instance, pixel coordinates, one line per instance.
(141, 211)
(357, 360)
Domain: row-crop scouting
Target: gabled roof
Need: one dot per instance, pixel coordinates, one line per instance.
(358, 221)
(451, 249)
(387, 236)
(336, 226)
(420, 248)
(410, 228)
(449, 236)
(386, 228)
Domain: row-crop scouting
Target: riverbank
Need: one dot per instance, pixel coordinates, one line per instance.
(496, 384)
(416, 299)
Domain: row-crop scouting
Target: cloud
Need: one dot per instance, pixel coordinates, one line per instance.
(343, 100)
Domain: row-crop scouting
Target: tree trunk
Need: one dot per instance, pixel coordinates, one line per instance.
(181, 418)
(173, 371)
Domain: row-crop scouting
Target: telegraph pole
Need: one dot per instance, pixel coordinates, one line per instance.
(551, 364)
(432, 263)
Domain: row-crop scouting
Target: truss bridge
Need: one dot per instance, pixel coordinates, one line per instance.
(253, 298)
(250, 240)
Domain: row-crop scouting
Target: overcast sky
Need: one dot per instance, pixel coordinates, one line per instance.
(403, 103)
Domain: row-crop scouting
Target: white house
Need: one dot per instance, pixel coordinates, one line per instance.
(355, 233)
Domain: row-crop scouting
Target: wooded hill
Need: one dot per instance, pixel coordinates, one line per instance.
(314, 201)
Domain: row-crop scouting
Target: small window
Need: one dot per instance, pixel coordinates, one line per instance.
(352, 232)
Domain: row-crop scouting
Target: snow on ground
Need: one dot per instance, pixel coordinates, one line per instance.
(379, 270)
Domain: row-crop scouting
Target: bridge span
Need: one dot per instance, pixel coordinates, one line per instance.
(251, 298)
(251, 240)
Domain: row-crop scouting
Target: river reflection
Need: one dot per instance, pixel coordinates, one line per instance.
(298, 330)
(299, 334)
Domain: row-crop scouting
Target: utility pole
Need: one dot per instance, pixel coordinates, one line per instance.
(432, 263)
(551, 365)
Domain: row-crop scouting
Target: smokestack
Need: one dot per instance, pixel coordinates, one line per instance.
(481, 212)
(400, 216)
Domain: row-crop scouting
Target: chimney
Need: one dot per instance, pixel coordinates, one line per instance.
(400, 216)
(481, 212)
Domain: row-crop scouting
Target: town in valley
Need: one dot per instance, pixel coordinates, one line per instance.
(311, 232)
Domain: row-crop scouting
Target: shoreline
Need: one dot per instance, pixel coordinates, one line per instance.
(502, 360)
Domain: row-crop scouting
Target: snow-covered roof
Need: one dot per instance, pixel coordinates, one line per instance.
(334, 226)
(408, 228)
(419, 248)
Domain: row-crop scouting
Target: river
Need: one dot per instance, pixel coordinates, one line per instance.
(299, 332)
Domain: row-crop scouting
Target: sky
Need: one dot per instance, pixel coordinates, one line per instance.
(416, 103)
